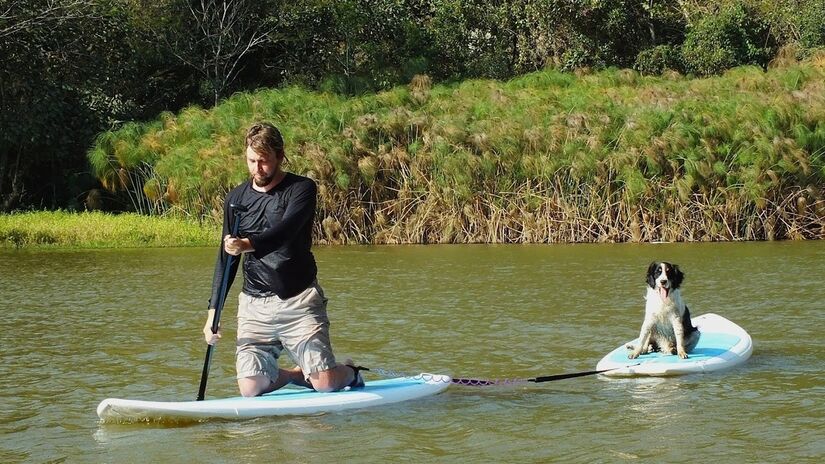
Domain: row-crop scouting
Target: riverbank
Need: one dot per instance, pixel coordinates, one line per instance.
(549, 157)
(63, 229)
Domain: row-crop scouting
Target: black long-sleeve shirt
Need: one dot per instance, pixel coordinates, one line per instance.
(278, 223)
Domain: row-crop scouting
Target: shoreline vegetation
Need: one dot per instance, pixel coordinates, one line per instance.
(62, 229)
(549, 157)
(607, 156)
(74, 69)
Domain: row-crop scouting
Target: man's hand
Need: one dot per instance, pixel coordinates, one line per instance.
(211, 338)
(235, 246)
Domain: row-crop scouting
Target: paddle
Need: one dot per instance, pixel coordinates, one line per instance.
(216, 321)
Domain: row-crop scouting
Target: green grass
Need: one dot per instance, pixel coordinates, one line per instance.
(101, 230)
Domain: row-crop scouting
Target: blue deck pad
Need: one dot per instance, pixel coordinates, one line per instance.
(710, 345)
(375, 386)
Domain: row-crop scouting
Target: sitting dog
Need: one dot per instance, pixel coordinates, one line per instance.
(667, 326)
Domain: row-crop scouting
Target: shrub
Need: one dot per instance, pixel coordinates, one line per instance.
(812, 24)
(734, 37)
(658, 59)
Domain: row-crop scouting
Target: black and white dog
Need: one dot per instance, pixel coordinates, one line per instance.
(667, 326)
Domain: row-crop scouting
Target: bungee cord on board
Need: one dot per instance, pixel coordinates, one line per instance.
(389, 373)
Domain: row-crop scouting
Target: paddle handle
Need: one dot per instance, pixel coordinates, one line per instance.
(216, 319)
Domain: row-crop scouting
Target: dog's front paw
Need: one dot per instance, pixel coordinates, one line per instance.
(633, 355)
(683, 354)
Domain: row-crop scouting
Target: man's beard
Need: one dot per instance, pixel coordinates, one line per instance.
(263, 181)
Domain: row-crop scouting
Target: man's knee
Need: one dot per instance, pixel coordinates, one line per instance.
(323, 386)
(325, 381)
(252, 386)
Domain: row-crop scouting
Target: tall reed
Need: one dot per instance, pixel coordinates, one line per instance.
(547, 157)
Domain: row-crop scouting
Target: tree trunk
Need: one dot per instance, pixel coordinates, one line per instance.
(16, 188)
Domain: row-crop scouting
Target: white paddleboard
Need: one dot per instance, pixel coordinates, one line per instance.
(722, 345)
(286, 401)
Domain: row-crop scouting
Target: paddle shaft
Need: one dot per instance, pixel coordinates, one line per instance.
(216, 320)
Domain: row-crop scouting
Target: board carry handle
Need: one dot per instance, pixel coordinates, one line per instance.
(216, 321)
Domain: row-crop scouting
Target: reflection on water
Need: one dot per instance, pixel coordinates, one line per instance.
(81, 326)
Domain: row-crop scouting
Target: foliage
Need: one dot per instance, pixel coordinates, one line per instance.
(549, 156)
(731, 38)
(812, 24)
(348, 46)
(477, 38)
(658, 59)
(791, 21)
(74, 68)
(215, 38)
(70, 70)
(48, 99)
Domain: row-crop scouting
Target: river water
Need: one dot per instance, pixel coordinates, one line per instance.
(82, 325)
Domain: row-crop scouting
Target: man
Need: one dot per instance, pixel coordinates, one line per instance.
(281, 307)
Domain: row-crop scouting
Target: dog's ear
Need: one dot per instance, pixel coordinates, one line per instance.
(652, 270)
(678, 276)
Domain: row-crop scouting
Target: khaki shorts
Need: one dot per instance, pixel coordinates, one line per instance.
(298, 325)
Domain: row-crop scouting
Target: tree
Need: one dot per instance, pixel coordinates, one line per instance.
(216, 38)
(68, 70)
(732, 37)
(348, 46)
(37, 100)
